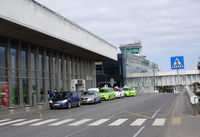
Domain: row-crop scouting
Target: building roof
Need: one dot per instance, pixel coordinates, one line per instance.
(131, 45)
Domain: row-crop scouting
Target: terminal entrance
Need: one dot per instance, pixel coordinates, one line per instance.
(78, 85)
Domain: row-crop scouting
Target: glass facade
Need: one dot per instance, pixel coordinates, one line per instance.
(28, 72)
(127, 70)
(110, 70)
(131, 50)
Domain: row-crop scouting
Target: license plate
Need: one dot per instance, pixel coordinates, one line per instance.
(84, 100)
(56, 104)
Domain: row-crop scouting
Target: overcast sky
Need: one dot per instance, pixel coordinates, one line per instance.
(165, 27)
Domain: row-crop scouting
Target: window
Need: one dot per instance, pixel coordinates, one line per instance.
(14, 76)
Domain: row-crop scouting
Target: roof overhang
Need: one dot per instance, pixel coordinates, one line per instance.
(26, 22)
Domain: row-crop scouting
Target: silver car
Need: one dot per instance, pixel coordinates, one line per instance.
(90, 96)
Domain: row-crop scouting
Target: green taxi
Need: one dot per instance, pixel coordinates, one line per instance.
(107, 94)
(129, 91)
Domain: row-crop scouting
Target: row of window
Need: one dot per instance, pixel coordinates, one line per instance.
(26, 67)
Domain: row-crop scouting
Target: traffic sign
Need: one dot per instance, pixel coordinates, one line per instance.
(177, 62)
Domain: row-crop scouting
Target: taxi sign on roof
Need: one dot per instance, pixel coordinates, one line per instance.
(177, 62)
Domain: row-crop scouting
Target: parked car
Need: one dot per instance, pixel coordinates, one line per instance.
(107, 94)
(93, 89)
(65, 99)
(119, 93)
(90, 96)
(129, 91)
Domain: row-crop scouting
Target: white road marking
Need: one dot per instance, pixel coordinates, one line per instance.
(99, 122)
(159, 122)
(79, 122)
(136, 134)
(61, 122)
(138, 122)
(3, 120)
(159, 110)
(43, 122)
(26, 122)
(118, 122)
(77, 131)
(10, 122)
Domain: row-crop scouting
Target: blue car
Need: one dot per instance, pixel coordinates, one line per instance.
(65, 100)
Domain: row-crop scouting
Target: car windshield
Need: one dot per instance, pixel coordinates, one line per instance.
(104, 90)
(88, 93)
(61, 95)
(125, 89)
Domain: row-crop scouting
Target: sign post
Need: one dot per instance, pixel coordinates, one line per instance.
(178, 63)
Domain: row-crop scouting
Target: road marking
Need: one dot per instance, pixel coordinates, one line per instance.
(138, 122)
(3, 120)
(159, 122)
(26, 122)
(77, 131)
(176, 121)
(99, 122)
(118, 122)
(79, 122)
(61, 122)
(139, 131)
(43, 122)
(138, 114)
(10, 122)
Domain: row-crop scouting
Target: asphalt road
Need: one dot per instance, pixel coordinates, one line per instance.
(145, 115)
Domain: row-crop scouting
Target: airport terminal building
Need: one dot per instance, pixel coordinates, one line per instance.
(41, 50)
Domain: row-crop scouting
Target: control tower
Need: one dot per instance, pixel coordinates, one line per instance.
(134, 48)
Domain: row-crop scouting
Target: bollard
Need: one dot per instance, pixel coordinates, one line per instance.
(27, 108)
(40, 106)
(11, 110)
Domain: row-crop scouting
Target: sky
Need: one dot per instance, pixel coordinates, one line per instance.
(166, 28)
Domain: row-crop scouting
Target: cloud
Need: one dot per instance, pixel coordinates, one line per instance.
(165, 27)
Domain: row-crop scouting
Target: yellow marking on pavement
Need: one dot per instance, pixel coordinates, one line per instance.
(40, 115)
(176, 121)
(180, 115)
(138, 114)
(121, 114)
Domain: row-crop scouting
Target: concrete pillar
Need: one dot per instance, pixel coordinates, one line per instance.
(44, 61)
(57, 72)
(19, 67)
(51, 70)
(82, 69)
(78, 68)
(63, 71)
(37, 74)
(29, 75)
(94, 74)
(9, 73)
(72, 68)
(69, 73)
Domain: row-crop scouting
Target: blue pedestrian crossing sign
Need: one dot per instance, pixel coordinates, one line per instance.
(177, 62)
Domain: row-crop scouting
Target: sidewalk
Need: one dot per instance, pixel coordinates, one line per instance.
(184, 123)
(5, 112)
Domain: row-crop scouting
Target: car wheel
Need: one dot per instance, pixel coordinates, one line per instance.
(99, 100)
(69, 105)
(79, 103)
(51, 107)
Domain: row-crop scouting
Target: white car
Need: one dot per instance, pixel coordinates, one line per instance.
(93, 89)
(119, 93)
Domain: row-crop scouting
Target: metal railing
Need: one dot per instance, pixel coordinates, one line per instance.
(194, 100)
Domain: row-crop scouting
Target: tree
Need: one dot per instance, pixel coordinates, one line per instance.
(198, 64)
(195, 87)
